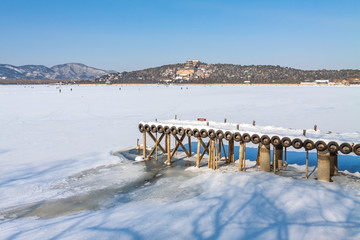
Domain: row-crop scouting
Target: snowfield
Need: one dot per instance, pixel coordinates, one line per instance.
(60, 178)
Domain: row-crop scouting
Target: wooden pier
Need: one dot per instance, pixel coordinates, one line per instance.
(182, 131)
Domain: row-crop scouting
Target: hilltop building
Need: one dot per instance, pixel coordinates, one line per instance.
(191, 66)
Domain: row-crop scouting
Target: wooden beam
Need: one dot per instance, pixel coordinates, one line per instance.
(156, 145)
(241, 155)
(153, 138)
(226, 159)
(181, 144)
(168, 161)
(189, 142)
(198, 152)
(206, 149)
(144, 145)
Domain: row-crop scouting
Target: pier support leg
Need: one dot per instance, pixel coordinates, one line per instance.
(144, 145)
(323, 161)
(219, 150)
(198, 153)
(231, 150)
(278, 156)
(241, 155)
(285, 164)
(258, 155)
(334, 164)
(307, 165)
(264, 157)
(244, 164)
(168, 161)
(189, 140)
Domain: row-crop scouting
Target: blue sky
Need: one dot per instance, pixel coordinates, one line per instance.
(136, 34)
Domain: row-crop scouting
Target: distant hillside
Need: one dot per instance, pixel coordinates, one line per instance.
(70, 71)
(228, 73)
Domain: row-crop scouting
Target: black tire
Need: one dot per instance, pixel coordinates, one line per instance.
(167, 129)
(147, 128)
(160, 129)
(356, 149)
(173, 130)
(141, 127)
(255, 139)
(309, 145)
(204, 133)
(180, 131)
(246, 137)
(153, 128)
(265, 139)
(275, 141)
(229, 135)
(196, 132)
(286, 142)
(189, 132)
(219, 134)
(333, 147)
(345, 148)
(320, 145)
(297, 143)
(212, 133)
(237, 137)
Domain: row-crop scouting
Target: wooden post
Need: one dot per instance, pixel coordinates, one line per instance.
(274, 160)
(323, 159)
(166, 140)
(241, 155)
(198, 153)
(231, 151)
(210, 153)
(333, 164)
(168, 161)
(307, 164)
(189, 140)
(278, 156)
(144, 145)
(264, 157)
(285, 164)
(244, 167)
(257, 157)
(219, 149)
(156, 150)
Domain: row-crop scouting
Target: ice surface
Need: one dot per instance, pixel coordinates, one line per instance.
(56, 146)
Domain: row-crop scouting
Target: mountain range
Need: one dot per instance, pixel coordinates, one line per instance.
(69, 71)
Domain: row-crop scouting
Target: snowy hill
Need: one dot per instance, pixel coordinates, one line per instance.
(73, 71)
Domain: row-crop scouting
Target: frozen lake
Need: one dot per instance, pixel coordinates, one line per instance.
(58, 146)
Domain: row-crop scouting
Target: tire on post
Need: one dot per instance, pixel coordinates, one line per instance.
(345, 148)
(212, 134)
(237, 137)
(246, 137)
(196, 132)
(320, 145)
(219, 134)
(275, 141)
(286, 142)
(265, 139)
(255, 139)
(356, 149)
(141, 128)
(309, 145)
(333, 147)
(147, 128)
(229, 135)
(160, 129)
(180, 131)
(204, 133)
(297, 143)
(189, 132)
(153, 128)
(173, 130)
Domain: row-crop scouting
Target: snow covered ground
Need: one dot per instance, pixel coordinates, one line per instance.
(59, 177)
